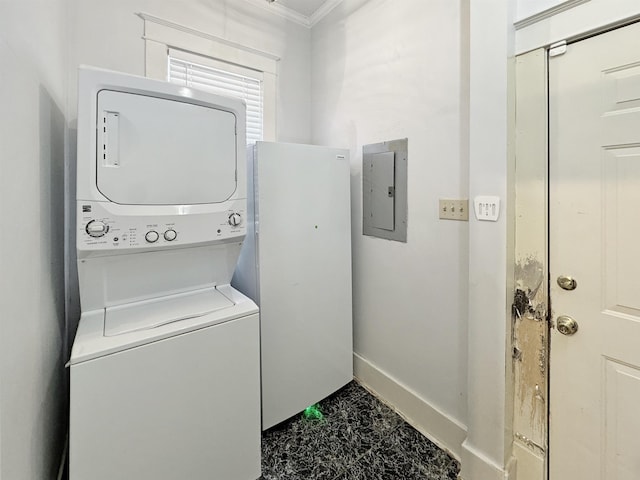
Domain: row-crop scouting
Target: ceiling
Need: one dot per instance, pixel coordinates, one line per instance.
(304, 7)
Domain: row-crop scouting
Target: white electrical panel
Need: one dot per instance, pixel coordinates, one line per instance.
(384, 190)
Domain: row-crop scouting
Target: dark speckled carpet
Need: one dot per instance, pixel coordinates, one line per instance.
(358, 438)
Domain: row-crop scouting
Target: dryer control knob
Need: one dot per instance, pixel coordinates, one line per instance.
(170, 235)
(96, 228)
(152, 236)
(235, 219)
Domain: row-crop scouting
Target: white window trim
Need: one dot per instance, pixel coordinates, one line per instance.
(161, 36)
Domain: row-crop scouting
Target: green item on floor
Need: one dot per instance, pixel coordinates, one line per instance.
(313, 412)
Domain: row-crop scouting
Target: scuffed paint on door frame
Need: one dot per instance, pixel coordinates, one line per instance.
(530, 326)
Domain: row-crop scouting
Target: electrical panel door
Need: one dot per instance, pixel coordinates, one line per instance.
(384, 190)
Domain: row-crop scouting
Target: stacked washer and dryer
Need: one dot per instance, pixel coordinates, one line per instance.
(169, 361)
(165, 367)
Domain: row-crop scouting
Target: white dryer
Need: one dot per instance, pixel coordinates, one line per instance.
(165, 366)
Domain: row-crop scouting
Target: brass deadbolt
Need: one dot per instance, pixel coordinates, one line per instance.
(567, 283)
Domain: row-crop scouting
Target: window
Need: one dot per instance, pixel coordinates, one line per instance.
(193, 58)
(228, 80)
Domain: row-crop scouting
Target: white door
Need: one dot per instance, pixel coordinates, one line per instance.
(594, 140)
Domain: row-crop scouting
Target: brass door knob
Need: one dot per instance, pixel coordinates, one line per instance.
(567, 283)
(566, 325)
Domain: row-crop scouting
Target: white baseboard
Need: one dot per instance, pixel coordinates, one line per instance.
(438, 427)
(476, 466)
(512, 470)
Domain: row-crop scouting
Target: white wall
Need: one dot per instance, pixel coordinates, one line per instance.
(383, 70)
(32, 136)
(108, 34)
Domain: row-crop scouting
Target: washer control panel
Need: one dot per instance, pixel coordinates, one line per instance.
(100, 228)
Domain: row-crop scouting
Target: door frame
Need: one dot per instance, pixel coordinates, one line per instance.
(531, 319)
(530, 322)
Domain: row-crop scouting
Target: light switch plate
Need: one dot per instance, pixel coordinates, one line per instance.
(487, 208)
(454, 209)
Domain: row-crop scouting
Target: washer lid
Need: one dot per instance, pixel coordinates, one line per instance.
(158, 151)
(91, 342)
(156, 312)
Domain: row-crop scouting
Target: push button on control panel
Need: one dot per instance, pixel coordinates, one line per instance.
(152, 236)
(170, 235)
(96, 228)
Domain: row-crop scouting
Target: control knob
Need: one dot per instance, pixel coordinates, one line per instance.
(170, 235)
(96, 228)
(235, 219)
(151, 236)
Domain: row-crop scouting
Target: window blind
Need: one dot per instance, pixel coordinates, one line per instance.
(229, 84)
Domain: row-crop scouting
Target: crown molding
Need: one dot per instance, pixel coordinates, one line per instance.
(282, 11)
(290, 14)
(323, 11)
(548, 13)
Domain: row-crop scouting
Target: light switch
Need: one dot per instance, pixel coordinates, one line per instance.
(454, 209)
(487, 207)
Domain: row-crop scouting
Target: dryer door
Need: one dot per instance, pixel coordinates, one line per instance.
(156, 151)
